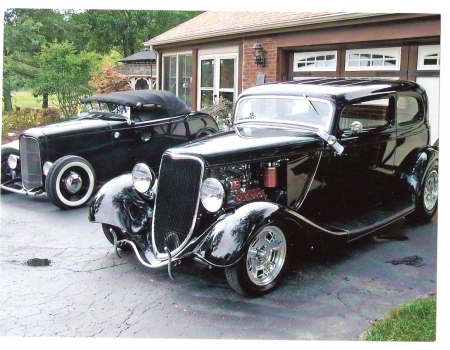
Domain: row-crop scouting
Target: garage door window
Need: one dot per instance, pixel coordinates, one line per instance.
(429, 57)
(315, 61)
(373, 59)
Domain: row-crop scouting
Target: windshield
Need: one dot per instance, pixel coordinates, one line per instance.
(98, 108)
(301, 110)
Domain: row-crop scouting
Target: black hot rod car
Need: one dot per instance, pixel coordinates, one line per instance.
(304, 163)
(111, 133)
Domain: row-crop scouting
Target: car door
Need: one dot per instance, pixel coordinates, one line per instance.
(148, 136)
(362, 176)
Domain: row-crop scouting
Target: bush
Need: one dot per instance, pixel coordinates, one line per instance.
(28, 118)
(220, 110)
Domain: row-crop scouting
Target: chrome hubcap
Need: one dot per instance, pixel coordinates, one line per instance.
(266, 256)
(73, 182)
(430, 195)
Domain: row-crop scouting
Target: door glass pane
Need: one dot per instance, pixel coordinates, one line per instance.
(207, 73)
(170, 65)
(184, 78)
(207, 98)
(226, 73)
(227, 95)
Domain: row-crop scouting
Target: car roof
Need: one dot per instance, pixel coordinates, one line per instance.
(130, 98)
(333, 88)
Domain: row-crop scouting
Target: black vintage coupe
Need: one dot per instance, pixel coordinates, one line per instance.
(111, 133)
(303, 164)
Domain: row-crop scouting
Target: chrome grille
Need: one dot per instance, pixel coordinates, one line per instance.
(176, 202)
(30, 163)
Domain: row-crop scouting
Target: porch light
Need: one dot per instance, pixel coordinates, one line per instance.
(259, 58)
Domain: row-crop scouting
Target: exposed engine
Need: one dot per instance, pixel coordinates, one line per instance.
(246, 182)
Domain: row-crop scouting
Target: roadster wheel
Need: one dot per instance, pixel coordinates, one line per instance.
(70, 182)
(428, 200)
(106, 230)
(264, 263)
(6, 172)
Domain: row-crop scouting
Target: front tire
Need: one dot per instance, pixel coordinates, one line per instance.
(70, 182)
(264, 263)
(428, 199)
(6, 171)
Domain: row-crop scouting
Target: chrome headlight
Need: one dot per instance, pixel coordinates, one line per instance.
(212, 194)
(13, 161)
(143, 177)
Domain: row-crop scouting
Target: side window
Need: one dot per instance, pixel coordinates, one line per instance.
(408, 110)
(370, 114)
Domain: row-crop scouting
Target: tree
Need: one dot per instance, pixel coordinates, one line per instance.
(65, 73)
(25, 31)
(127, 30)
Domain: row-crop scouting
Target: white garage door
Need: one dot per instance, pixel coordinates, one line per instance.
(431, 85)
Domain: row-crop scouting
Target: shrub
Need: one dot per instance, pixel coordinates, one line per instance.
(28, 118)
(220, 110)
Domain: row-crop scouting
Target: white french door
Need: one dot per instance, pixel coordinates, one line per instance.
(217, 76)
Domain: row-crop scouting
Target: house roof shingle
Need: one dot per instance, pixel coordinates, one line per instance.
(219, 23)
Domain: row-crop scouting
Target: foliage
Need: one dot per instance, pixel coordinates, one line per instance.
(28, 118)
(108, 80)
(26, 31)
(65, 73)
(126, 30)
(220, 110)
(415, 321)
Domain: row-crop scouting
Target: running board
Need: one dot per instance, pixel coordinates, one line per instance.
(374, 219)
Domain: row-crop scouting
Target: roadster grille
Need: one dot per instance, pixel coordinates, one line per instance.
(30, 162)
(176, 202)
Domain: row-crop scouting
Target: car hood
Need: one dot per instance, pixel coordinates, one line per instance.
(71, 127)
(242, 144)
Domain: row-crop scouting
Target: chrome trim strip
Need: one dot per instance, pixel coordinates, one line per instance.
(160, 256)
(336, 233)
(310, 181)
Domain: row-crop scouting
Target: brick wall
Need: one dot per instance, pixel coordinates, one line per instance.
(250, 70)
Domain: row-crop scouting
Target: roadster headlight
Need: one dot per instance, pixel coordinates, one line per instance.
(13, 161)
(212, 195)
(143, 177)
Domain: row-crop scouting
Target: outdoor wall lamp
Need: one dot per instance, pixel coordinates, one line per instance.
(259, 58)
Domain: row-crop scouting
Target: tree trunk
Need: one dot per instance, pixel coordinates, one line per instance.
(7, 100)
(45, 101)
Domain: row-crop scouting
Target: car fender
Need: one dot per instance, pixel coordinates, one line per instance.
(412, 172)
(13, 144)
(223, 243)
(117, 203)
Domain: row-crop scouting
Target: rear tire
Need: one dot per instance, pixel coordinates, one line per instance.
(70, 182)
(428, 199)
(264, 263)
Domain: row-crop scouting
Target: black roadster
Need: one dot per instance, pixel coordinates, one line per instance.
(111, 133)
(304, 163)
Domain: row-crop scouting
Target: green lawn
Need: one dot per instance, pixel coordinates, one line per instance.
(25, 99)
(413, 322)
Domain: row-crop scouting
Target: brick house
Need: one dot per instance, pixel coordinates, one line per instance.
(213, 54)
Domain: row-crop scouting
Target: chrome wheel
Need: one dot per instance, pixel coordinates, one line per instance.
(266, 255)
(430, 195)
(264, 262)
